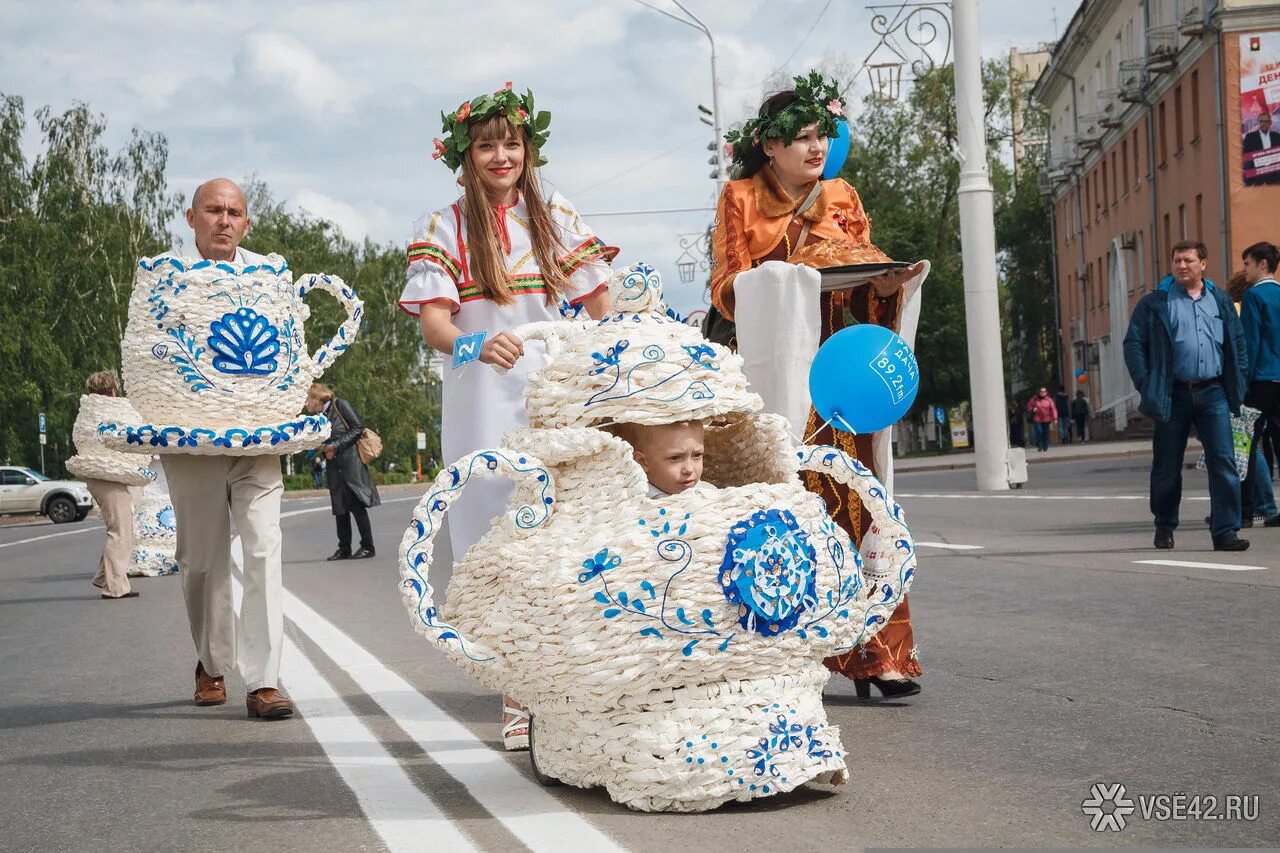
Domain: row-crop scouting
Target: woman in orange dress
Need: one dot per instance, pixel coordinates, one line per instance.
(780, 209)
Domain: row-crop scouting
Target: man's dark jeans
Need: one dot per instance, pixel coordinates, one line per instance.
(1206, 408)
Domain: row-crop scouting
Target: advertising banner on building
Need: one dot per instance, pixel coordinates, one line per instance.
(1260, 106)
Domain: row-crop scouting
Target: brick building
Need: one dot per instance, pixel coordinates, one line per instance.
(1149, 103)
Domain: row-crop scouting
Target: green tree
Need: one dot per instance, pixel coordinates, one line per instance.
(72, 226)
(1026, 265)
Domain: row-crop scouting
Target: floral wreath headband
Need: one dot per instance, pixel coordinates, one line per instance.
(817, 101)
(517, 108)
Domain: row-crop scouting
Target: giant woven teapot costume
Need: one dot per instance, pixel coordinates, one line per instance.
(669, 649)
(215, 361)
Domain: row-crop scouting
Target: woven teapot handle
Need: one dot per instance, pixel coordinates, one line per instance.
(535, 494)
(893, 568)
(350, 327)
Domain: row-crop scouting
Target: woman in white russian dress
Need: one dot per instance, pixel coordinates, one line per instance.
(502, 255)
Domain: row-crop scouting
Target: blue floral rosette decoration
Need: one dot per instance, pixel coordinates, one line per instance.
(768, 571)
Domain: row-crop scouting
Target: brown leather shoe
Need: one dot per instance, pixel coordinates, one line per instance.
(209, 690)
(268, 703)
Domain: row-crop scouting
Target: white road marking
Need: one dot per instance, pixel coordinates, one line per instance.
(1003, 497)
(949, 546)
(1226, 567)
(522, 805)
(534, 816)
(51, 536)
(401, 814)
(326, 507)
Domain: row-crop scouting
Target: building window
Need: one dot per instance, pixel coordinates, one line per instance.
(1137, 161)
(1124, 162)
(1104, 272)
(1167, 248)
(1177, 119)
(1182, 222)
(1087, 207)
(1115, 180)
(1162, 132)
(1195, 106)
(1106, 187)
(1143, 283)
(1199, 217)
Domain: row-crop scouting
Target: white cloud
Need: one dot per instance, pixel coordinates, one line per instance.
(350, 221)
(278, 60)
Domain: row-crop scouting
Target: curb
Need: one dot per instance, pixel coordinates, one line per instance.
(969, 462)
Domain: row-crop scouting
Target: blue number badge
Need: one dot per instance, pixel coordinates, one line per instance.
(466, 348)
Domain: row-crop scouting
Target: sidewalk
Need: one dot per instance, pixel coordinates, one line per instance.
(1055, 453)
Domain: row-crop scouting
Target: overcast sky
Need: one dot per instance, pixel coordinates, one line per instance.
(334, 105)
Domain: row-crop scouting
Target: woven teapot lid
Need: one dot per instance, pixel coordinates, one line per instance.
(639, 364)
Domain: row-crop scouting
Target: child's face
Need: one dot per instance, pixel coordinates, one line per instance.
(671, 455)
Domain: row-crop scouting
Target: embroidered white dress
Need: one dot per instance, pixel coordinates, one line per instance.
(479, 405)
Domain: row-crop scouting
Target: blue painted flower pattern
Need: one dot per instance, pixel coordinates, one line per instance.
(768, 571)
(245, 342)
(788, 743)
(602, 562)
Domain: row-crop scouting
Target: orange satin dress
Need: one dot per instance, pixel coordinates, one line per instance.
(756, 222)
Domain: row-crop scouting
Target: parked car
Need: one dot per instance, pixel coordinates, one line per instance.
(23, 490)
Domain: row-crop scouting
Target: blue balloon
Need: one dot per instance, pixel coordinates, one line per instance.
(863, 379)
(837, 151)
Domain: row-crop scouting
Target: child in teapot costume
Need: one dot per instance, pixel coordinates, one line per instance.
(670, 649)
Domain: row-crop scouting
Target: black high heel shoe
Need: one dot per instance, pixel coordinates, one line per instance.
(890, 688)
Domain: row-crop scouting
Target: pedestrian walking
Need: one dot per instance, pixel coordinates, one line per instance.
(1260, 317)
(1017, 425)
(351, 489)
(1080, 414)
(108, 474)
(1043, 413)
(1185, 351)
(206, 492)
(503, 255)
(317, 469)
(1062, 405)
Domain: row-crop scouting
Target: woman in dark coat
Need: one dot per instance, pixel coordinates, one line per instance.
(351, 489)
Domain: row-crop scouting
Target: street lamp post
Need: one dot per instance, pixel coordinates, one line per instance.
(978, 247)
(717, 125)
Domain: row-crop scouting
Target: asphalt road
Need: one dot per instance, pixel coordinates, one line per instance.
(1055, 659)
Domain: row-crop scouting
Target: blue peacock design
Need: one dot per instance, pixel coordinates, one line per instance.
(245, 342)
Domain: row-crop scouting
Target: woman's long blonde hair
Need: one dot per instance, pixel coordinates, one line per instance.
(484, 255)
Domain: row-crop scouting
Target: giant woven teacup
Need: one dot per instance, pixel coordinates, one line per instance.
(215, 360)
(670, 650)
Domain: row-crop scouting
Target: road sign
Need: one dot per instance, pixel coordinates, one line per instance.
(422, 441)
(44, 439)
(42, 429)
(940, 415)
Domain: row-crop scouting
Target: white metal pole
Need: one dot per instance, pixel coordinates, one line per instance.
(715, 117)
(978, 246)
(715, 97)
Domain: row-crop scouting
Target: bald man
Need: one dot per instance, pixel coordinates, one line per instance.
(207, 491)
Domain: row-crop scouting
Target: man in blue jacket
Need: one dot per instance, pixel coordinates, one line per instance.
(1260, 317)
(1185, 352)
